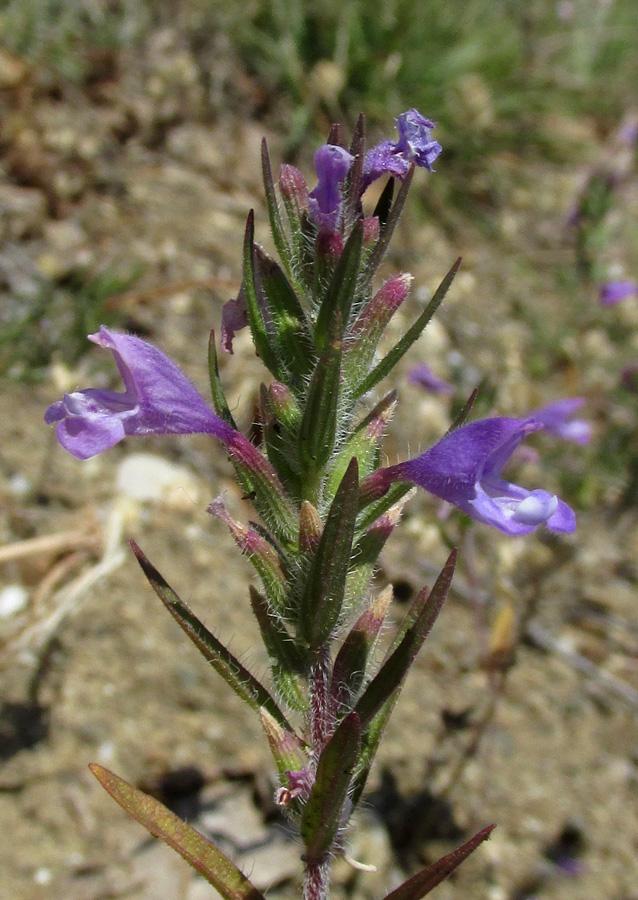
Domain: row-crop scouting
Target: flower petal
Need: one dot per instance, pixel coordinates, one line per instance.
(159, 399)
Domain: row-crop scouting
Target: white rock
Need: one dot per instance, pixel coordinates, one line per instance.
(147, 478)
(13, 599)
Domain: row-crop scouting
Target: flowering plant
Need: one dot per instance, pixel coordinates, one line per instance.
(326, 507)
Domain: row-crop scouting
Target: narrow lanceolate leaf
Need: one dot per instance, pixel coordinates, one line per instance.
(352, 659)
(364, 443)
(389, 362)
(322, 599)
(286, 658)
(286, 748)
(384, 203)
(341, 289)
(370, 740)
(365, 552)
(392, 673)
(386, 234)
(370, 512)
(276, 225)
(259, 551)
(463, 413)
(427, 879)
(259, 479)
(254, 311)
(221, 659)
(192, 846)
(290, 328)
(323, 813)
(318, 427)
(220, 404)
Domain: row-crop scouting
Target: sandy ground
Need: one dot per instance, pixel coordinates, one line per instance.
(94, 670)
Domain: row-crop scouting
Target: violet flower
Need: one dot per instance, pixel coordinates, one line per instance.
(415, 144)
(234, 318)
(614, 291)
(423, 376)
(158, 399)
(464, 469)
(332, 164)
(557, 419)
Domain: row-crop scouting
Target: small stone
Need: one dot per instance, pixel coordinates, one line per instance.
(152, 479)
(13, 599)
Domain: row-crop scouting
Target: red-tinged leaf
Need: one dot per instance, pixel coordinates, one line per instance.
(197, 850)
(221, 659)
(388, 362)
(392, 673)
(423, 882)
(322, 815)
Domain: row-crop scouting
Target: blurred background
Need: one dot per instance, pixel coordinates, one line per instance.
(129, 156)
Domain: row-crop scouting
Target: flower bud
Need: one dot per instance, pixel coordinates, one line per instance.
(294, 191)
(371, 228)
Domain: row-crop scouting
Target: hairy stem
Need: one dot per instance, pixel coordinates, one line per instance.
(321, 716)
(316, 884)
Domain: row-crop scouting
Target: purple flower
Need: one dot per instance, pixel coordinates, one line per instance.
(557, 419)
(464, 469)
(415, 144)
(234, 318)
(614, 291)
(425, 378)
(332, 164)
(158, 399)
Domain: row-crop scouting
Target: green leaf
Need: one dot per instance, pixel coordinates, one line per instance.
(323, 596)
(322, 815)
(461, 416)
(276, 225)
(354, 654)
(364, 443)
(221, 659)
(370, 740)
(192, 846)
(384, 203)
(377, 508)
(393, 671)
(366, 551)
(389, 362)
(318, 428)
(286, 658)
(341, 289)
(219, 399)
(290, 327)
(254, 312)
(427, 879)
(286, 748)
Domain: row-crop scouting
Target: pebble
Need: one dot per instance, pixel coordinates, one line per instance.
(13, 599)
(152, 479)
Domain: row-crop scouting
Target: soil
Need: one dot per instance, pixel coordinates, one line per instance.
(131, 171)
